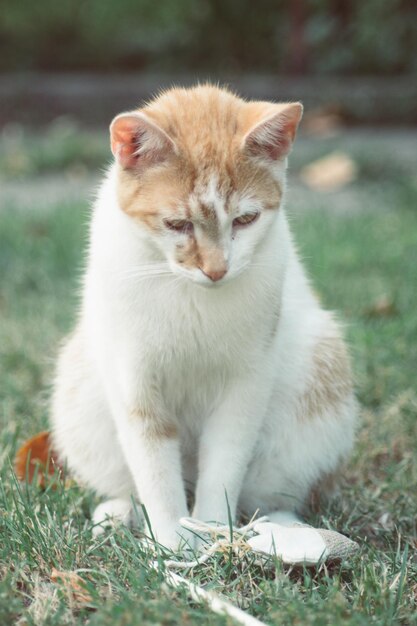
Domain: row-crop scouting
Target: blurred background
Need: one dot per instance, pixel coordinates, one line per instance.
(70, 66)
(88, 58)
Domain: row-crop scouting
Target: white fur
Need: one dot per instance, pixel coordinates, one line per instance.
(111, 512)
(227, 365)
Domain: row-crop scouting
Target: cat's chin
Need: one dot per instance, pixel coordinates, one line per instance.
(211, 285)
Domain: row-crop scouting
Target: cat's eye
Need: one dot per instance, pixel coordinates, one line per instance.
(246, 219)
(180, 226)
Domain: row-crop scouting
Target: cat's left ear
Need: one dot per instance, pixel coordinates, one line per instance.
(271, 138)
(137, 140)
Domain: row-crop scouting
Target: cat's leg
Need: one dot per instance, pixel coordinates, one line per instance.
(119, 452)
(300, 454)
(149, 439)
(113, 512)
(226, 447)
(311, 418)
(154, 459)
(83, 430)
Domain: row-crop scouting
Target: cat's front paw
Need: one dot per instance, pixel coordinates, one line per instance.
(175, 538)
(113, 512)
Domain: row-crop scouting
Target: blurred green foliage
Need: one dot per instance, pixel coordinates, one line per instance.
(304, 36)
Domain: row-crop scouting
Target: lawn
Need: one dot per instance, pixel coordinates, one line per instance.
(360, 245)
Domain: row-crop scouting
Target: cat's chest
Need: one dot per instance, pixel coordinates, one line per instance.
(190, 341)
(197, 332)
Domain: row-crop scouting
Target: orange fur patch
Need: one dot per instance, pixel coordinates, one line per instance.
(331, 378)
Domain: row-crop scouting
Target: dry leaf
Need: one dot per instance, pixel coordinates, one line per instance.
(73, 585)
(329, 173)
(36, 458)
(383, 307)
(385, 521)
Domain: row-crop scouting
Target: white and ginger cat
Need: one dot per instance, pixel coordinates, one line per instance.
(201, 356)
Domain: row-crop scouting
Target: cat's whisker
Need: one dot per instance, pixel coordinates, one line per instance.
(143, 276)
(149, 265)
(144, 272)
(147, 277)
(147, 272)
(146, 268)
(176, 284)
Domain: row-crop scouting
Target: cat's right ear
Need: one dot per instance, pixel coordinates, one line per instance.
(271, 137)
(136, 140)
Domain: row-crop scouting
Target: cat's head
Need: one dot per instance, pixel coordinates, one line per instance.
(202, 173)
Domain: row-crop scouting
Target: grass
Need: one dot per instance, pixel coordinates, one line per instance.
(364, 264)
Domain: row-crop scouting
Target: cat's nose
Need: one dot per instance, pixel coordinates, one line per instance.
(214, 275)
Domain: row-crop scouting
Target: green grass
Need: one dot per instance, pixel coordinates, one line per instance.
(355, 259)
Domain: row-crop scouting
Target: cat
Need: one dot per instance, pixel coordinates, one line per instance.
(201, 356)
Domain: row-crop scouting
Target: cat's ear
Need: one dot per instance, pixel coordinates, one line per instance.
(271, 138)
(136, 140)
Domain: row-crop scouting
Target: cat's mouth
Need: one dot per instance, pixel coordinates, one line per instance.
(207, 283)
(197, 277)
(225, 279)
(214, 280)
(213, 285)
